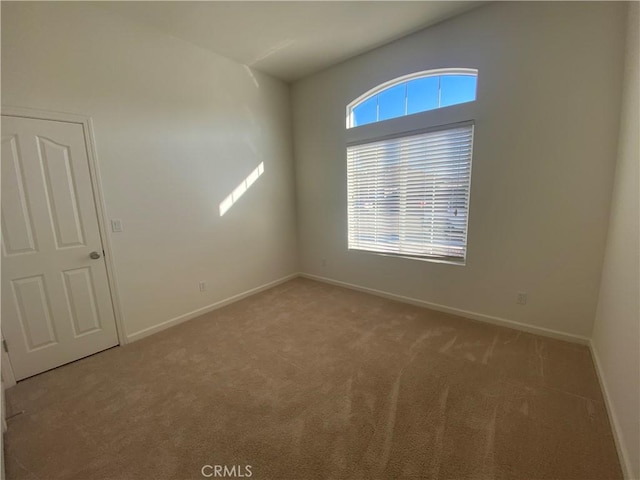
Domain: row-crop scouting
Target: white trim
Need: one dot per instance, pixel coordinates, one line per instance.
(416, 122)
(623, 455)
(103, 221)
(547, 332)
(42, 114)
(94, 171)
(209, 308)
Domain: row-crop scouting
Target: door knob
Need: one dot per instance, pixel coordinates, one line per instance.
(94, 255)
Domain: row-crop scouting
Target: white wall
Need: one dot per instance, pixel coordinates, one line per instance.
(177, 128)
(616, 333)
(544, 155)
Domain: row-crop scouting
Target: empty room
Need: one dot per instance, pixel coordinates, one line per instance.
(320, 240)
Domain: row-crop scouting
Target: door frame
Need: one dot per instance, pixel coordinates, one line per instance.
(8, 377)
(96, 185)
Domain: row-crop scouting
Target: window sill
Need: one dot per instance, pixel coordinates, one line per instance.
(459, 262)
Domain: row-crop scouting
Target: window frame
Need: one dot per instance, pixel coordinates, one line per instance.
(433, 120)
(439, 72)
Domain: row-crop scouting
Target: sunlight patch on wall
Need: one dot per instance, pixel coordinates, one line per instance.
(234, 196)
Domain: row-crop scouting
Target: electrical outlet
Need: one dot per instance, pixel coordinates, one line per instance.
(203, 286)
(521, 298)
(324, 262)
(116, 225)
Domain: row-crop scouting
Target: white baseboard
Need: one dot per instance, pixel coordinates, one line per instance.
(209, 308)
(547, 332)
(623, 456)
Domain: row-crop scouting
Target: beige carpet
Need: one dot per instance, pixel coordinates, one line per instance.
(310, 381)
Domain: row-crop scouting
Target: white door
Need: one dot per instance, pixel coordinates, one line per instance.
(56, 305)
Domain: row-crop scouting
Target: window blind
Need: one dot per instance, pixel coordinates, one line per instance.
(409, 195)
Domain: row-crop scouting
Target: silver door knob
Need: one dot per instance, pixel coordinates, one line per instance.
(94, 255)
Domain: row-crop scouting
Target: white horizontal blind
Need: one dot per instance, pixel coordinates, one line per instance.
(410, 195)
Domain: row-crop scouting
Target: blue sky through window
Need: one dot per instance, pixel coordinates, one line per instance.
(422, 94)
(456, 89)
(391, 102)
(366, 112)
(414, 96)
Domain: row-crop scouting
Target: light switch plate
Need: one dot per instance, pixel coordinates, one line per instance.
(116, 225)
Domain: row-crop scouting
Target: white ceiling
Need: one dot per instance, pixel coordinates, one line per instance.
(289, 40)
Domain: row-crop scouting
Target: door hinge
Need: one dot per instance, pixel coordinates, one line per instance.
(4, 345)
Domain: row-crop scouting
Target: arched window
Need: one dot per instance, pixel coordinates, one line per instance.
(413, 93)
(408, 181)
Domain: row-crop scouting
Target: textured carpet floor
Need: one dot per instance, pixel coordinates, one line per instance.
(309, 381)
